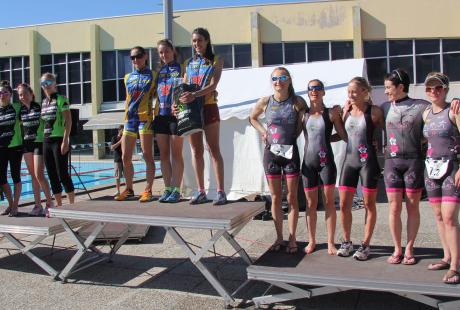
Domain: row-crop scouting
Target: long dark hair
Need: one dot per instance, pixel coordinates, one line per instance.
(142, 51)
(169, 44)
(209, 54)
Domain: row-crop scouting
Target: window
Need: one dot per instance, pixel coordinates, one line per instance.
(235, 55)
(417, 57)
(298, 52)
(226, 52)
(16, 70)
(73, 74)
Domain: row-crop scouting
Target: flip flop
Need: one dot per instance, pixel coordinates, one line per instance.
(440, 265)
(395, 259)
(409, 260)
(451, 277)
(292, 249)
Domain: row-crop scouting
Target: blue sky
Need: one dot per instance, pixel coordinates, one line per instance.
(32, 12)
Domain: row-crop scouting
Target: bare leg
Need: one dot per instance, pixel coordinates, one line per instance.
(293, 215)
(196, 145)
(331, 218)
(165, 158)
(178, 167)
(39, 166)
(29, 159)
(277, 213)
(127, 146)
(212, 139)
(147, 151)
(441, 230)
(450, 218)
(395, 201)
(346, 202)
(371, 215)
(312, 205)
(413, 220)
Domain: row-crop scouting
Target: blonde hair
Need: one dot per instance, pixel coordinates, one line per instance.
(48, 76)
(364, 84)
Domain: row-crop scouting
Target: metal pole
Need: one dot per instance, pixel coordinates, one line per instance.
(168, 16)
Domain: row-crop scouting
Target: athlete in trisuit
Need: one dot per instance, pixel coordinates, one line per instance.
(318, 167)
(138, 121)
(283, 113)
(442, 177)
(361, 119)
(403, 161)
(10, 147)
(32, 133)
(165, 123)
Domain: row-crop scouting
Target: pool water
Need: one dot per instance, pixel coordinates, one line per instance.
(92, 174)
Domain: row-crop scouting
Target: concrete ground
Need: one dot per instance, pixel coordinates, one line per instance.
(155, 274)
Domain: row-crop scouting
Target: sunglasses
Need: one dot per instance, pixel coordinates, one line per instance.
(4, 93)
(46, 83)
(436, 88)
(138, 56)
(315, 87)
(281, 78)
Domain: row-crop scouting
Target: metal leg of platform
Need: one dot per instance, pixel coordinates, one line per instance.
(196, 260)
(424, 299)
(27, 251)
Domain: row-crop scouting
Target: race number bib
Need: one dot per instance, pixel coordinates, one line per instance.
(282, 150)
(436, 168)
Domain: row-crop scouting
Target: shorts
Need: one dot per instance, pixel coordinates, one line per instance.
(444, 189)
(275, 165)
(32, 147)
(118, 166)
(134, 127)
(211, 114)
(13, 156)
(165, 124)
(404, 174)
(368, 172)
(325, 177)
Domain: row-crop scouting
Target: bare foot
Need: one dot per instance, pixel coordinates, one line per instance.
(310, 248)
(331, 250)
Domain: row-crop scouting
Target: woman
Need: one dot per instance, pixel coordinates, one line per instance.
(138, 121)
(442, 176)
(283, 112)
(10, 147)
(57, 120)
(318, 168)
(361, 119)
(32, 133)
(165, 122)
(204, 70)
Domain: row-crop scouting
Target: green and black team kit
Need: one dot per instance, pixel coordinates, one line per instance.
(54, 126)
(32, 128)
(10, 143)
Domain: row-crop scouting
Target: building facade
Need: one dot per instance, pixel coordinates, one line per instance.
(90, 57)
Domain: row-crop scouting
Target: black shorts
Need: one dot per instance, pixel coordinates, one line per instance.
(402, 174)
(314, 178)
(32, 147)
(443, 189)
(368, 172)
(275, 165)
(165, 124)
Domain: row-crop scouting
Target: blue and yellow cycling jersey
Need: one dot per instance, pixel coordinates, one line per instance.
(200, 71)
(165, 79)
(139, 95)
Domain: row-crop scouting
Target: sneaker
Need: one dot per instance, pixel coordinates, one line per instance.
(362, 253)
(116, 194)
(345, 249)
(174, 197)
(36, 211)
(165, 196)
(198, 198)
(221, 199)
(127, 193)
(146, 196)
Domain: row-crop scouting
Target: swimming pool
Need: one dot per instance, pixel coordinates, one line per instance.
(92, 174)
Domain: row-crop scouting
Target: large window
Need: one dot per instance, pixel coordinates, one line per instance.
(15, 70)
(73, 73)
(417, 57)
(235, 55)
(298, 52)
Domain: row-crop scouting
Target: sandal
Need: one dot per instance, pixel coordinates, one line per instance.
(440, 265)
(451, 277)
(276, 247)
(395, 259)
(409, 260)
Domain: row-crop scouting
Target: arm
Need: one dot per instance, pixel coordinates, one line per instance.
(188, 97)
(457, 123)
(115, 145)
(258, 109)
(334, 114)
(301, 108)
(67, 126)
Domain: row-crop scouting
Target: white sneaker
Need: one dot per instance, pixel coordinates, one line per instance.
(345, 249)
(362, 253)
